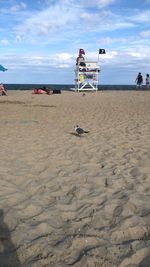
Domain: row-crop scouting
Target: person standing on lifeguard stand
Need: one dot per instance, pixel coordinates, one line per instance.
(80, 59)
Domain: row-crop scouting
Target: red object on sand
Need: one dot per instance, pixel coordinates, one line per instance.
(39, 92)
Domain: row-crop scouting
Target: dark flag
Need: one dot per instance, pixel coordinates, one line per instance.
(102, 51)
(81, 51)
(2, 68)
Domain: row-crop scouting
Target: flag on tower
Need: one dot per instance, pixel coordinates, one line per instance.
(81, 51)
(102, 51)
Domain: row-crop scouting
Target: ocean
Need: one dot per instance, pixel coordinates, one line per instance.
(67, 87)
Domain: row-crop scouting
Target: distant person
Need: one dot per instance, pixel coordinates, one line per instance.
(80, 60)
(47, 90)
(2, 90)
(147, 81)
(139, 80)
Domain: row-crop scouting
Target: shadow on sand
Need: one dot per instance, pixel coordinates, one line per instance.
(77, 135)
(8, 255)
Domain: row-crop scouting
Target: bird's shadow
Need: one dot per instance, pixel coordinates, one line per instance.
(77, 135)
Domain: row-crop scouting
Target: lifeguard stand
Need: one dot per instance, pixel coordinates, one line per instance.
(86, 76)
(87, 73)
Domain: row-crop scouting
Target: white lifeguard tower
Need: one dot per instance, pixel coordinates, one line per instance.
(86, 73)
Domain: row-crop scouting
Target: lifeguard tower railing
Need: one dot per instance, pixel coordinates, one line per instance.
(87, 76)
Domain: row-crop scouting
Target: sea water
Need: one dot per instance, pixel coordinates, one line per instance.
(67, 87)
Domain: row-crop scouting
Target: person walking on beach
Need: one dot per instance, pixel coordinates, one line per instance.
(147, 81)
(139, 80)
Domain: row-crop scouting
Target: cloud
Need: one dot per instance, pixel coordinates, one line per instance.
(111, 40)
(67, 21)
(145, 34)
(127, 58)
(70, 21)
(141, 17)
(18, 38)
(134, 53)
(105, 21)
(4, 42)
(18, 7)
(96, 3)
(16, 61)
(48, 21)
(13, 8)
(104, 3)
(63, 56)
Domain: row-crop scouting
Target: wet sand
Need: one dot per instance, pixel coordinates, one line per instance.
(69, 200)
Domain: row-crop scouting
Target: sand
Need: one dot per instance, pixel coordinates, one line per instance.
(75, 201)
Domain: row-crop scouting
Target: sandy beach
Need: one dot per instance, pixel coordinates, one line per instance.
(75, 201)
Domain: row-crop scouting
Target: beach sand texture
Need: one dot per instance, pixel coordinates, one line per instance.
(75, 201)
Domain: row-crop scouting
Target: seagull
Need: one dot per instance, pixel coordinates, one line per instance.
(79, 130)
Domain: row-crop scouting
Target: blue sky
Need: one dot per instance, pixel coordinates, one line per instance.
(40, 39)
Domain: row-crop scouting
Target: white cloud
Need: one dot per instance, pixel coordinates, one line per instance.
(16, 61)
(13, 8)
(18, 7)
(70, 19)
(4, 42)
(104, 3)
(63, 56)
(97, 3)
(64, 66)
(141, 17)
(111, 40)
(105, 21)
(18, 38)
(49, 20)
(145, 34)
(118, 56)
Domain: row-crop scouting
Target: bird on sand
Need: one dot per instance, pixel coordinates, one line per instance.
(80, 131)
